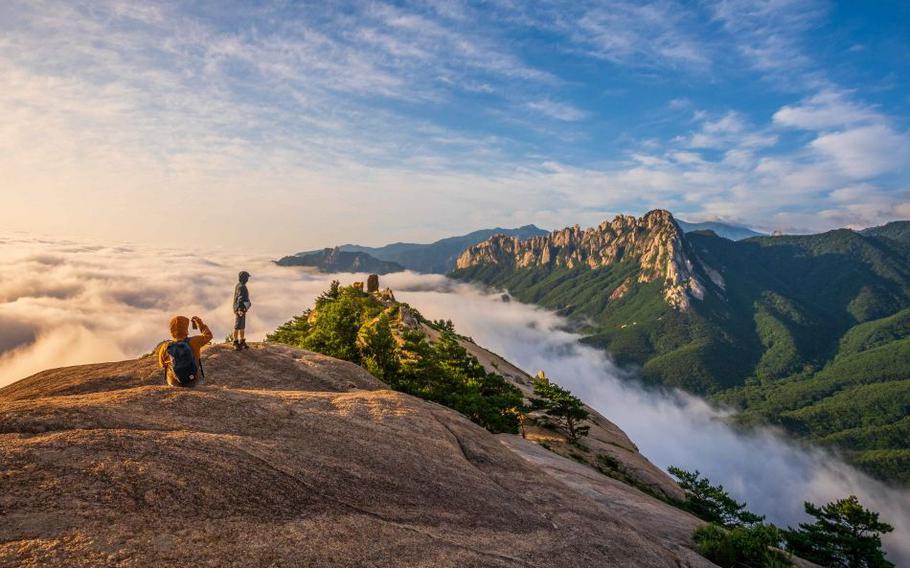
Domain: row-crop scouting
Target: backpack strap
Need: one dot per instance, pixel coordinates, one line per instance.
(165, 346)
(198, 361)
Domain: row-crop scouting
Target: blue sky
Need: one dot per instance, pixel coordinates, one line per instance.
(311, 123)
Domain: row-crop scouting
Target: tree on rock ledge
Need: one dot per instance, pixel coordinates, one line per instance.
(844, 535)
(560, 406)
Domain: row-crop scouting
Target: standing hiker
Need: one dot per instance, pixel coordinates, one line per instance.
(180, 357)
(241, 306)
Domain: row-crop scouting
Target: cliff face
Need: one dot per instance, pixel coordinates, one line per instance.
(289, 458)
(654, 241)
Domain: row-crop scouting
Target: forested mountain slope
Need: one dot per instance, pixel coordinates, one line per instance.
(780, 326)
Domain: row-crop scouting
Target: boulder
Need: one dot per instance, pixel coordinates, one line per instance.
(373, 283)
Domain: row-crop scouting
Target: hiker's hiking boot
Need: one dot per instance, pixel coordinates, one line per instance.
(243, 344)
(237, 345)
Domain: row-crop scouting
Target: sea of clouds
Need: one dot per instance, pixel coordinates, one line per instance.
(66, 303)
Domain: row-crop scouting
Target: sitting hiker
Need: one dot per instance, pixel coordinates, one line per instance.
(241, 306)
(180, 357)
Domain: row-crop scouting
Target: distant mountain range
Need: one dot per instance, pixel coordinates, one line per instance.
(337, 260)
(439, 257)
(808, 332)
(433, 258)
(725, 230)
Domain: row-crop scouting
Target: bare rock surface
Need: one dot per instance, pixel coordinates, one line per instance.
(604, 439)
(288, 458)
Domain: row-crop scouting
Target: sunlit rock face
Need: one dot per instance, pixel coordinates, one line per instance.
(654, 241)
(290, 458)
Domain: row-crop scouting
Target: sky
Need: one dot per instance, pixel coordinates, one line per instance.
(277, 126)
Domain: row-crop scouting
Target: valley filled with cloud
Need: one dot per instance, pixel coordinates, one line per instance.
(66, 303)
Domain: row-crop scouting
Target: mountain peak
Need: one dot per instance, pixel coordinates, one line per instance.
(653, 240)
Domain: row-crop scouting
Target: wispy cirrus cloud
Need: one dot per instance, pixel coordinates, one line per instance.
(650, 33)
(770, 33)
(558, 110)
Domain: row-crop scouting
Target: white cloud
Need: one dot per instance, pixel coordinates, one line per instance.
(356, 109)
(557, 110)
(679, 103)
(729, 130)
(687, 157)
(826, 109)
(864, 152)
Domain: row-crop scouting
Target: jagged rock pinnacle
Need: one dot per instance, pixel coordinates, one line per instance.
(653, 240)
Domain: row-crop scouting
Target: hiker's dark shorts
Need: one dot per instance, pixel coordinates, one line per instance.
(239, 321)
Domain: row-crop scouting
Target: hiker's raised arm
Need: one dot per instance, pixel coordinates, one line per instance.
(203, 329)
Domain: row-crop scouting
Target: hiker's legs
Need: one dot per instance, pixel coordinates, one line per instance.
(239, 330)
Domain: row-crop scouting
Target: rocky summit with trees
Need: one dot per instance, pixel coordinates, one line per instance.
(386, 338)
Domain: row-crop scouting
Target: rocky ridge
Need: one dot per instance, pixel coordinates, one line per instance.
(654, 241)
(288, 458)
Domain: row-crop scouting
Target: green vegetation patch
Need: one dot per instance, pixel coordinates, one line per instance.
(350, 324)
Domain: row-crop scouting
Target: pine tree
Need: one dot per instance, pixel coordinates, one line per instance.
(712, 502)
(560, 406)
(330, 295)
(334, 333)
(351, 325)
(379, 350)
(293, 332)
(844, 535)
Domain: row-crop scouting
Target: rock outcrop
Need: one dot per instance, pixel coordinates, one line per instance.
(654, 241)
(288, 458)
